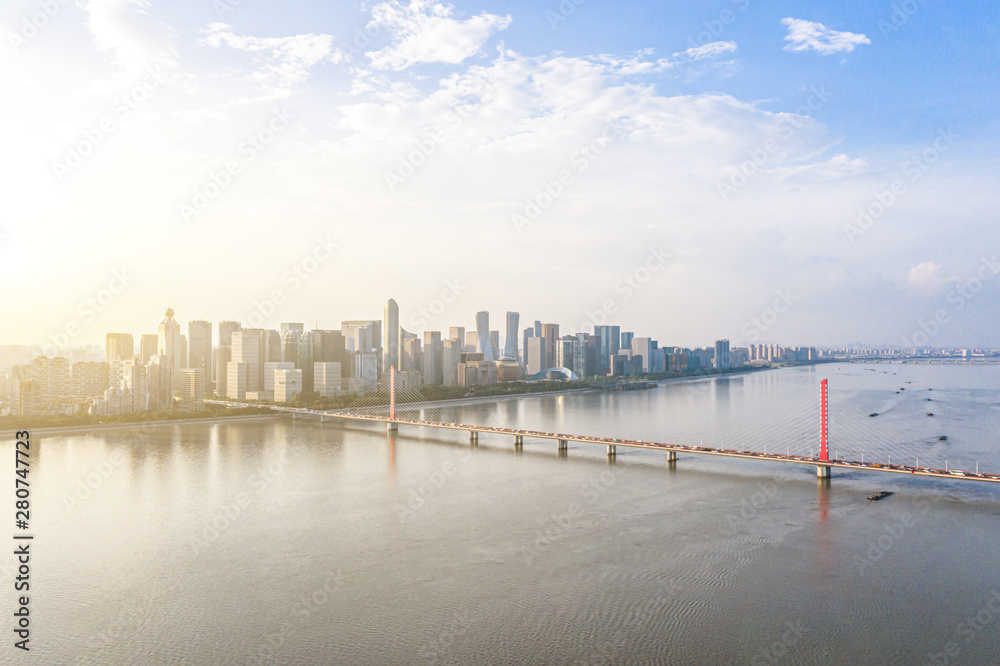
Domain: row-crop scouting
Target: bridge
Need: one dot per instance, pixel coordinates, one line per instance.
(380, 406)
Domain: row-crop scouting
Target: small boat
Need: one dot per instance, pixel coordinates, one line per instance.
(943, 438)
(879, 495)
(930, 413)
(873, 414)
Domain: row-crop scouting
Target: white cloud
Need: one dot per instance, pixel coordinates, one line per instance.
(284, 61)
(926, 277)
(126, 28)
(423, 32)
(710, 50)
(804, 35)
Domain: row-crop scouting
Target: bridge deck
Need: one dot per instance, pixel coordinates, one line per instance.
(954, 475)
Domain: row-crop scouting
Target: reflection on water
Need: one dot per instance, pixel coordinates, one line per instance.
(285, 541)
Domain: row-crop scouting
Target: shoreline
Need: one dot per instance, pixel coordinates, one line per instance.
(142, 424)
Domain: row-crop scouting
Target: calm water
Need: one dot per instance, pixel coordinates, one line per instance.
(305, 543)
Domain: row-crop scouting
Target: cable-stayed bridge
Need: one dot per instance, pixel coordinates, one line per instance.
(800, 436)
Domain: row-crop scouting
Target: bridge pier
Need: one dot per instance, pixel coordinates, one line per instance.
(473, 437)
(563, 445)
(823, 471)
(671, 456)
(391, 426)
(612, 451)
(518, 442)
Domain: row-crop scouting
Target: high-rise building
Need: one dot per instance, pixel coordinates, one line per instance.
(248, 347)
(51, 376)
(200, 349)
(610, 340)
(564, 353)
(118, 347)
(361, 335)
(537, 355)
(226, 330)
(528, 333)
(433, 364)
(169, 343)
(269, 374)
(331, 347)
(306, 358)
(327, 379)
(287, 384)
(538, 329)
(135, 385)
(390, 343)
(722, 354)
(236, 381)
(90, 379)
(484, 344)
(510, 351)
(451, 351)
(410, 359)
(471, 342)
(457, 333)
(193, 389)
(551, 334)
(644, 347)
(159, 382)
(147, 346)
(285, 327)
(627, 337)
(221, 357)
(272, 346)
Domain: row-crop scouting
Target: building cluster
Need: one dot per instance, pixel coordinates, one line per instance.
(174, 370)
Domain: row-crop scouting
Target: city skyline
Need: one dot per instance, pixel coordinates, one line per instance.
(529, 157)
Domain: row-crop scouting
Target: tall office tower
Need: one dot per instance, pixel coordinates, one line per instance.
(51, 376)
(285, 327)
(365, 370)
(528, 333)
(610, 343)
(483, 343)
(551, 334)
(193, 389)
(536, 355)
(495, 344)
(290, 346)
(147, 346)
(226, 330)
(237, 373)
(272, 346)
(471, 341)
(331, 347)
(586, 350)
(451, 351)
(220, 359)
(390, 343)
(510, 351)
(643, 347)
(248, 347)
(433, 365)
(327, 378)
(269, 369)
(538, 329)
(307, 356)
(135, 381)
(200, 349)
(722, 354)
(457, 332)
(287, 384)
(184, 351)
(410, 356)
(159, 382)
(90, 379)
(627, 337)
(119, 347)
(169, 343)
(361, 335)
(564, 353)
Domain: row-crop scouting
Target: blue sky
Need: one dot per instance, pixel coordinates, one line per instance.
(712, 155)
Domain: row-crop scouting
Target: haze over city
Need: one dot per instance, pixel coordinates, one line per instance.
(204, 155)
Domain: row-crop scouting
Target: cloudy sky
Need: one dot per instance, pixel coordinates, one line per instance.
(796, 172)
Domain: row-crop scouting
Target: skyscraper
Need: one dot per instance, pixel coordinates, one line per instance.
(722, 354)
(169, 344)
(528, 333)
(483, 343)
(510, 352)
(119, 347)
(390, 344)
(609, 346)
(551, 334)
(200, 349)
(226, 330)
(285, 327)
(433, 364)
(147, 346)
(248, 347)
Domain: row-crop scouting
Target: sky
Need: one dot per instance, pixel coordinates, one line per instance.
(807, 173)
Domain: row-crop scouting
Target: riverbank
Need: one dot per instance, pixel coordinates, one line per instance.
(127, 425)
